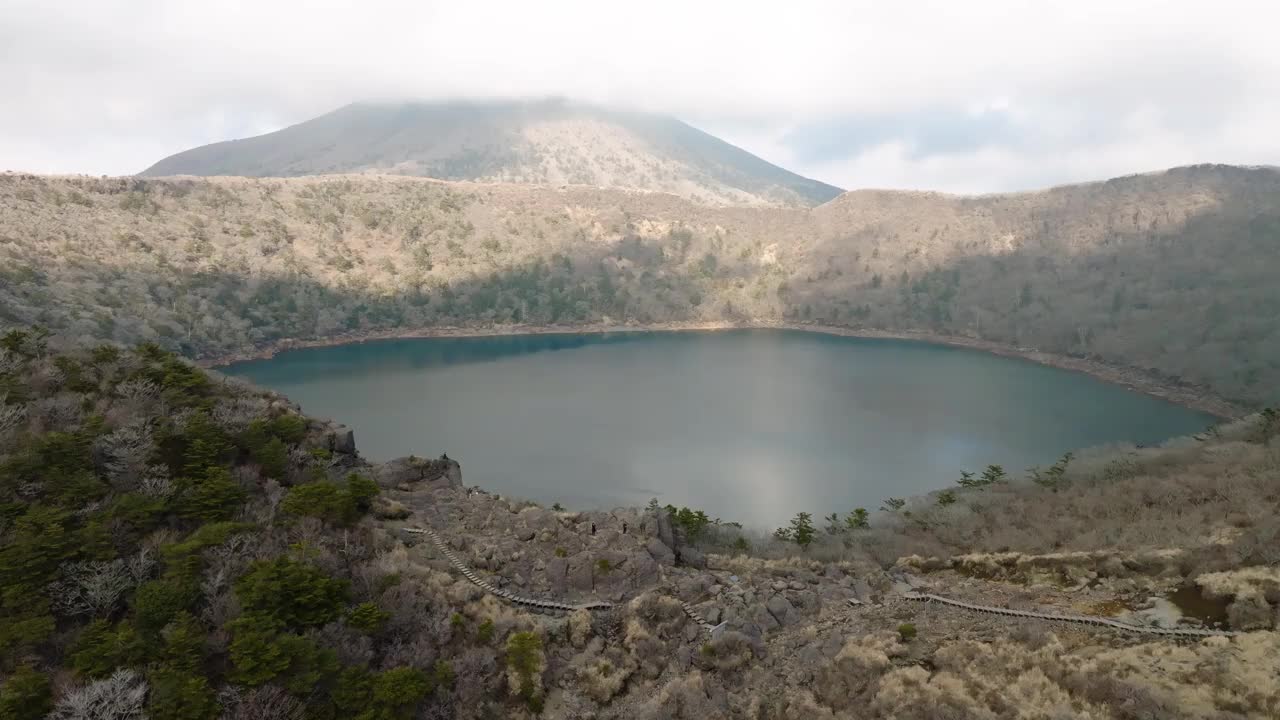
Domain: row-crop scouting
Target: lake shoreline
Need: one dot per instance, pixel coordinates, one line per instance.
(1193, 397)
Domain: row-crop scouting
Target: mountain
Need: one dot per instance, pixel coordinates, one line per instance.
(1168, 276)
(547, 142)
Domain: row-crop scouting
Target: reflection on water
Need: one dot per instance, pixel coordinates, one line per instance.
(750, 425)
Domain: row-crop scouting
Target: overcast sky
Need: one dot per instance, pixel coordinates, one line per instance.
(954, 95)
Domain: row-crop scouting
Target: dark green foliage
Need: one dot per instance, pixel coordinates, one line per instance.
(183, 557)
(210, 498)
(180, 695)
(158, 602)
(396, 694)
(1054, 476)
(38, 542)
(325, 500)
(906, 632)
(292, 429)
(367, 618)
(741, 545)
(524, 656)
(484, 633)
(273, 457)
(353, 690)
(333, 503)
(362, 491)
(800, 531)
(184, 644)
(946, 497)
(692, 522)
(294, 594)
(103, 647)
(857, 520)
(23, 629)
(261, 651)
(25, 695)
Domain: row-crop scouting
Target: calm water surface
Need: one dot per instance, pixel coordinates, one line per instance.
(750, 425)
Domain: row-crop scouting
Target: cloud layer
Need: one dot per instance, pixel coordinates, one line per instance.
(961, 96)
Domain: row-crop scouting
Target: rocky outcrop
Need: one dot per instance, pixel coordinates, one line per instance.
(411, 471)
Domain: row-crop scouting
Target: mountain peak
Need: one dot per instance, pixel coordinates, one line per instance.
(545, 141)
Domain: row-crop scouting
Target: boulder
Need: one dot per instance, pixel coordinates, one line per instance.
(558, 576)
(779, 608)
(692, 557)
(660, 552)
(664, 531)
(343, 440)
(579, 578)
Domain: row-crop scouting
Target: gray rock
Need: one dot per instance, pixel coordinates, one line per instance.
(797, 585)
(525, 535)
(764, 619)
(579, 576)
(779, 608)
(862, 590)
(692, 557)
(558, 576)
(660, 552)
(712, 615)
(343, 440)
(665, 534)
(779, 585)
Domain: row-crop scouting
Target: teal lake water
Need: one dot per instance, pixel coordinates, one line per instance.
(749, 425)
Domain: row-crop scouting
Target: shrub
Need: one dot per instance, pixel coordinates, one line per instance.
(524, 660)
(484, 633)
(324, 500)
(603, 566)
(396, 693)
(362, 491)
(102, 648)
(179, 695)
(367, 618)
(906, 632)
(210, 498)
(25, 695)
(157, 602)
(561, 552)
(857, 520)
(293, 593)
(946, 497)
(261, 652)
(800, 531)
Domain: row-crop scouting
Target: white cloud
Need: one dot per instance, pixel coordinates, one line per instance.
(1081, 89)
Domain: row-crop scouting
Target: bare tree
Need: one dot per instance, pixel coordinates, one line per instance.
(262, 703)
(119, 697)
(95, 587)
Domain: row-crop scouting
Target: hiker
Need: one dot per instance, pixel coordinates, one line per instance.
(624, 527)
(593, 528)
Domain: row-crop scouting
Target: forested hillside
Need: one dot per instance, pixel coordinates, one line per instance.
(177, 545)
(1172, 273)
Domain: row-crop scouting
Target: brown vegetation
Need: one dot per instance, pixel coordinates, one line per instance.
(1171, 274)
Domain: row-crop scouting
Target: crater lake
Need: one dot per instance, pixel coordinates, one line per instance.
(748, 425)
